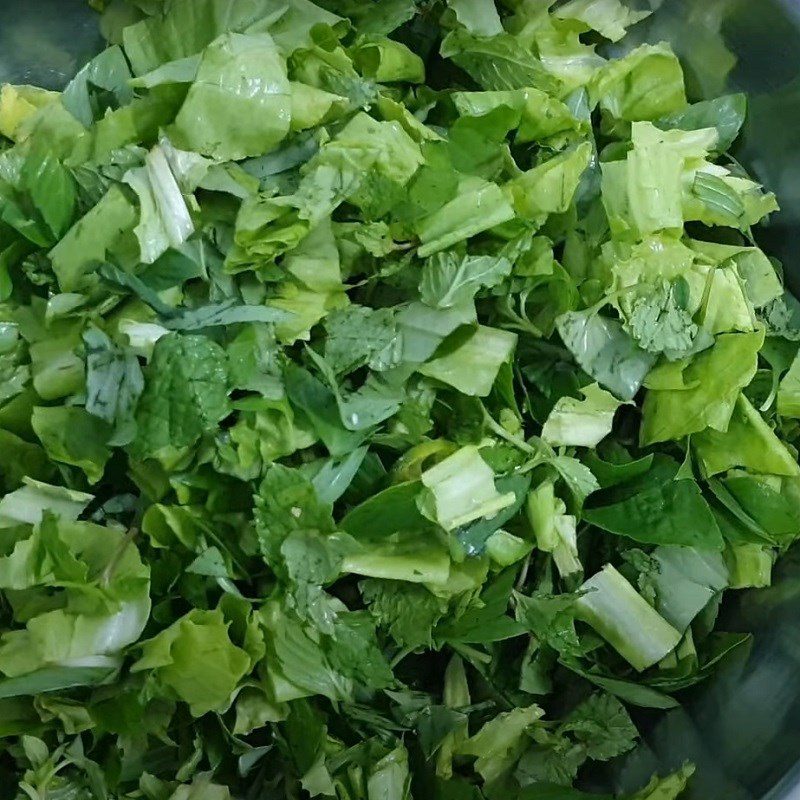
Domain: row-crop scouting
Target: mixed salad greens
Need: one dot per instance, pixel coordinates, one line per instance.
(389, 393)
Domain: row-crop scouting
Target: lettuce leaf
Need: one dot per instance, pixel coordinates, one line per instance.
(622, 617)
(107, 589)
(646, 84)
(581, 423)
(461, 489)
(711, 385)
(196, 660)
(747, 441)
(240, 102)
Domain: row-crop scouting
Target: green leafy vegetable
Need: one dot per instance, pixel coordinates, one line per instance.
(670, 513)
(709, 388)
(498, 62)
(462, 490)
(555, 530)
(448, 280)
(29, 503)
(608, 17)
(195, 659)
(644, 85)
(603, 349)
(686, 582)
(239, 103)
(789, 392)
(106, 592)
(470, 359)
(73, 436)
(581, 423)
(164, 219)
(114, 383)
(624, 619)
(747, 442)
(185, 395)
(726, 114)
(373, 377)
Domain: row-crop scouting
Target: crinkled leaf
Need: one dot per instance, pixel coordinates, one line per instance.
(185, 394)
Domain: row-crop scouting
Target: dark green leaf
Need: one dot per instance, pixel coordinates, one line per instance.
(725, 113)
(675, 513)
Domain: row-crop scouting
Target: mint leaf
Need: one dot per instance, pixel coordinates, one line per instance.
(358, 337)
(185, 394)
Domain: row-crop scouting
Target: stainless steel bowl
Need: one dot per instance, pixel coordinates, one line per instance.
(742, 729)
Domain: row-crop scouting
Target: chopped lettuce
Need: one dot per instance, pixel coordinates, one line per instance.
(461, 489)
(105, 591)
(164, 219)
(550, 187)
(581, 423)
(555, 530)
(610, 18)
(471, 360)
(198, 639)
(706, 395)
(239, 103)
(646, 84)
(624, 619)
(747, 441)
(789, 391)
(750, 565)
(29, 503)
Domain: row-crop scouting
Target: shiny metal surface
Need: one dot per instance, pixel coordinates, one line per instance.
(743, 728)
(45, 42)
